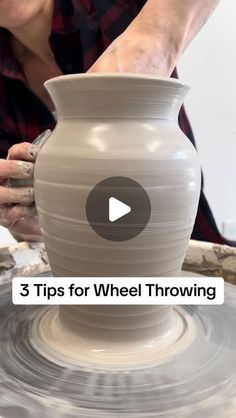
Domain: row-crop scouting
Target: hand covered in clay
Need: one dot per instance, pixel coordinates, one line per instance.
(136, 53)
(156, 38)
(17, 209)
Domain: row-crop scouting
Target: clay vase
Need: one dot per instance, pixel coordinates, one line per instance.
(116, 125)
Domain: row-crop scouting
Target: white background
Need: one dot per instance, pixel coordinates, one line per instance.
(209, 66)
(5, 237)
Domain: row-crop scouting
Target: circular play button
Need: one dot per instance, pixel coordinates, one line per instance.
(118, 208)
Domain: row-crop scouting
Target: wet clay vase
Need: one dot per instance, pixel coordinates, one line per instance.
(116, 125)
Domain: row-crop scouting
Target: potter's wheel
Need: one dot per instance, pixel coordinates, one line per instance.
(198, 381)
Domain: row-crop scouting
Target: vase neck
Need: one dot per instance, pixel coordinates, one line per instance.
(116, 96)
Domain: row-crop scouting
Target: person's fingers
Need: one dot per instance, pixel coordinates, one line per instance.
(16, 169)
(27, 227)
(24, 151)
(10, 215)
(23, 195)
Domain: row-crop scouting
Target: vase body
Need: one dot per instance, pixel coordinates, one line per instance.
(116, 125)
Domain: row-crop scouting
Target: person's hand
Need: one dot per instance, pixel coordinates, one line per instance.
(156, 38)
(135, 52)
(17, 208)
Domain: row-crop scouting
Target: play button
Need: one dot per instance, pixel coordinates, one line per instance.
(118, 208)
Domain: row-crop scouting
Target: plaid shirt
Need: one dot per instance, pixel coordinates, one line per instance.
(87, 27)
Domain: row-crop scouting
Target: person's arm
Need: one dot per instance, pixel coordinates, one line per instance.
(157, 37)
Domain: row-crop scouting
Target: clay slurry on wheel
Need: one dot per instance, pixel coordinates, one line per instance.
(118, 208)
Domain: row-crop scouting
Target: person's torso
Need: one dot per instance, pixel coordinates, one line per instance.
(81, 31)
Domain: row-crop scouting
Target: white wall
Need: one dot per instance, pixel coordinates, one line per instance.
(209, 67)
(5, 237)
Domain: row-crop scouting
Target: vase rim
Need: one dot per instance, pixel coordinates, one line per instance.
(128, 76)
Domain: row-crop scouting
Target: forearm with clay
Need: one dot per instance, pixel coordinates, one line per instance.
(157, 37)
(174, 22)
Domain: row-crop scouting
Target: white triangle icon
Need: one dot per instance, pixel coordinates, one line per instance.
(117, 209)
